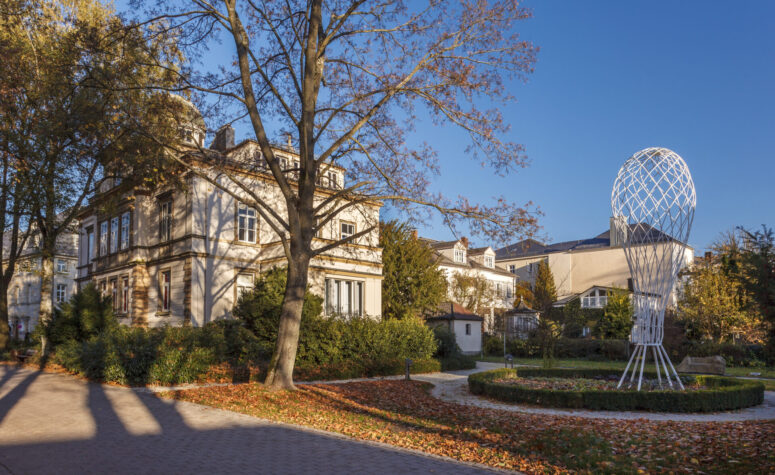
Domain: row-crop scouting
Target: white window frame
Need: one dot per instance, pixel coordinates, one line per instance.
(165, 221)
(125, 294)
(60, 293)
(165, 290)
(512, 268)
(468, 328)
(345, 234)
(114, 234)
(247, 220)
(124, 231)
(104, 238)
(489, 261)
(460, 256)
(89, 245)
(61, 265)
(345, 297)
(241, 287)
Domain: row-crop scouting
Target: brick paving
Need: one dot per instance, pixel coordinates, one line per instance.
(53, 423)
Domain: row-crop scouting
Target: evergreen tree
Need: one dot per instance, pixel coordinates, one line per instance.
(616, 322)
(412, 282)
(544, 290)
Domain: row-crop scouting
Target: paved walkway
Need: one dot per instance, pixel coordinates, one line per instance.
(453, 387)
(53, 423)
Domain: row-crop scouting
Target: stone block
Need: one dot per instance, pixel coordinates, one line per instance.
(708, 365)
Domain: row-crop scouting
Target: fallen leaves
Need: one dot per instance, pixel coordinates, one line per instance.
(403, 414)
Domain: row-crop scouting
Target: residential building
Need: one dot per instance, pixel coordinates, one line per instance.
(184, 255)
(466, 326)
(24, 290)
(455, 257)
(585, 268)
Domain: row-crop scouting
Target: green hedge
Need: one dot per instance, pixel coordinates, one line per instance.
(724, 394)
(587, 348)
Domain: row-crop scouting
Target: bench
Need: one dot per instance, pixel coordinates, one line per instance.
(22, 357)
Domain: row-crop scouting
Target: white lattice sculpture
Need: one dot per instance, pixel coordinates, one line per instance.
(653, 203)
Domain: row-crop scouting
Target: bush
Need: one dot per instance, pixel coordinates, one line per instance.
(493, 345)
(735, 355)
(724, 394)
(458, 362)
(86, 315)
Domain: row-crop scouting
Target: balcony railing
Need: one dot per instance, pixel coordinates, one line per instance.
(594, 302)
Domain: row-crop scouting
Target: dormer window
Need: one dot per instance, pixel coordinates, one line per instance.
(460, 256)
(489, 261)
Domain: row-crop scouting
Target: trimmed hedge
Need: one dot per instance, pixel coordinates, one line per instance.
(724, 394)
(587, 348)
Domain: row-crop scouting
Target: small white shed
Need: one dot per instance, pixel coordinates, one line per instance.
(466, 325)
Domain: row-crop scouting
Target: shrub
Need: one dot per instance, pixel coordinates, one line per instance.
(493, 345)
(445, 341)
(723, 394)
(86, 315)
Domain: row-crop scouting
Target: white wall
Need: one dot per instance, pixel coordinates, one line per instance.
(468, 343)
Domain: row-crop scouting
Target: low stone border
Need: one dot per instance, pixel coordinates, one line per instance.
(725, 393)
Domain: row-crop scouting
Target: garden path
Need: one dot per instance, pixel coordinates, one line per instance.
(453, 387)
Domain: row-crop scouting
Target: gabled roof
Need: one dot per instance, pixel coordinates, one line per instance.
(454, 311)
(478, 250)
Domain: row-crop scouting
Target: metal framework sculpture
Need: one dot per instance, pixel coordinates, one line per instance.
(653, 202)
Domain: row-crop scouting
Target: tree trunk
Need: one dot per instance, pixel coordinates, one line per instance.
(5, 331)
(46, 292)
(280, 374)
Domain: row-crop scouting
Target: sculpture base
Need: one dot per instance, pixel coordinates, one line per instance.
(661, 360)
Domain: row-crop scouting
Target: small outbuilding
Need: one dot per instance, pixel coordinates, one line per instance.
(521, 320)
(466, 325)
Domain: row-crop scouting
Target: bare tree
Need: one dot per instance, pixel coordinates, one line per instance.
(346, 79)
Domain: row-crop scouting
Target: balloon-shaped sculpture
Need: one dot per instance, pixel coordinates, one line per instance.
(653, 203)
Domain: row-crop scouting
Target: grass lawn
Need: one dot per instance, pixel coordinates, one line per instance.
(767, 372)
(402, 413)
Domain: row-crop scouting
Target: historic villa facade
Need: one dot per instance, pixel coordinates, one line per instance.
(176, 256)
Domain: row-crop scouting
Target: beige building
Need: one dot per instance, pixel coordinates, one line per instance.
(587, 268)
(25, 286)
(176, 256)
(455, 257)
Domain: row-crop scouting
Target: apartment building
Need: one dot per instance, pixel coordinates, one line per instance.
(24, 290)
(184, 255)
(586, 268)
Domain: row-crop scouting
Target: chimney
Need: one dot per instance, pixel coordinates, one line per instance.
(618, 231)
(414, 234)
(464, 240)
(224, 138)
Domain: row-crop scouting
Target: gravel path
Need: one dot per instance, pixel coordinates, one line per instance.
(453, 387)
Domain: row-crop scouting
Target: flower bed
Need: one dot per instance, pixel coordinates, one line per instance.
(598, 384)
(710, 393)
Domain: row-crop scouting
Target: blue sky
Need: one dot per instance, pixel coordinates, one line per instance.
(615, 77)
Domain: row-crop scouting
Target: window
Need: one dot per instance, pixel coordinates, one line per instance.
(499, 289)
(114, 294)
(104, 238)
(125, 231)
(333, 180)
(344, 297)
(347, 229)
(489, 261)
(60, 294)
(114, 235)
(531, 268)
(460, 255)
(512, 268)
(165, 291)
(125, 295)
(509, 292)
(61, 265)
(89, 245)
(165, 221)
(468, 328)
(244, 283)
(104, 288)
(246, 223)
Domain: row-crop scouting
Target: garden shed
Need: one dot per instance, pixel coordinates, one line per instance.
(466, 325)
